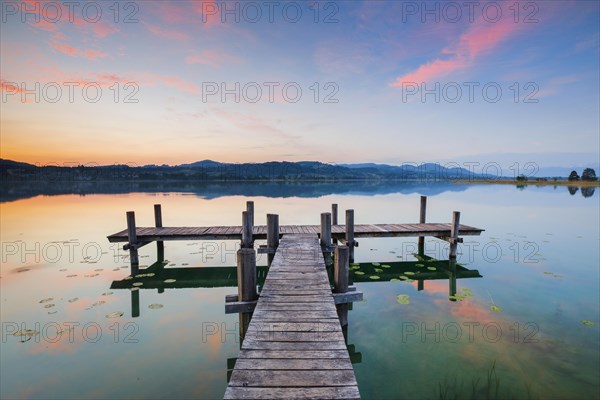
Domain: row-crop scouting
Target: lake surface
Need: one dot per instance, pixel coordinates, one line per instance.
(518, 332)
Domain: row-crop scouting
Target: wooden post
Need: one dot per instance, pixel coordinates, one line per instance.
(135, 304)
(454, 234)
(340, 272)
(325, 230)
(247, 230)
(340, 281)
(452, 279)
(326, 237)
(422, 214)
(132, 238)
(272, 236)
(246, 274)
(350, 233)
(334, 214)
(250, 209)
(160, 246)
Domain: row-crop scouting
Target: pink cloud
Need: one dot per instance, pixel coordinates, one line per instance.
(166, 33)
(65, 49)
(480, 38)
(212, 58)
(170, 11)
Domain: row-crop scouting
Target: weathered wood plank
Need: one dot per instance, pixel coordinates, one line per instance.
(281, 379)
(305, 393)
(294, 354)
(250, 344)
(291, 364)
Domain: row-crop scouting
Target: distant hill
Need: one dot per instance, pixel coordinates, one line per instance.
(216, 171)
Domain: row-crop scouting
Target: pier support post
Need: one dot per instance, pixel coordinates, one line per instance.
(160, 246)
(326, 237)
(132, 238)
(246, 274)
(272, 236)
(334, 214)
(340, 280)
(250, 210)
(350, 233)
(247, 228)
(422, 214)
(135, 304)
(454, 234)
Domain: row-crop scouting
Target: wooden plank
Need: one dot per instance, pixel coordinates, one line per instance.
(291, 364)
(305, 393)
(281, 379)
(294, 354)
(312, 314)
(250, 344)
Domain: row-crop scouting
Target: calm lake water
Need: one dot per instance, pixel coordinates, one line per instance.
(518, 332)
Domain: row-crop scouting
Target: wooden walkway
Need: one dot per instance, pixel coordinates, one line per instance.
(149, 234)
(294, 346)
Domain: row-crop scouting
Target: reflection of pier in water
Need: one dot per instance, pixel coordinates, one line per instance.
(294, 329)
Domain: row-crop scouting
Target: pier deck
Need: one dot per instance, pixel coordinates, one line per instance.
(149, 234)
(294, 346)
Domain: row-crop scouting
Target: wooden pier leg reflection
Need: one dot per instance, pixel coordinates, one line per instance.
(340, 281)
(132, 239)
(135, 303)
(350, 234)
(160, 246)
(422, 215)
(452, 280)
(246, 274)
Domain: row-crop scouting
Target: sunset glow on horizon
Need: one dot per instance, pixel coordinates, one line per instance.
(160, 82)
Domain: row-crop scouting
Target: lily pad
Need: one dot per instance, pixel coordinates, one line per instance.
(49, 305)
(107, 293)
(495, 308)
(403, 299)
(359, 272)
(586, 322)
(71, 276)
(170, 280)
(386, 266)
(137, 283)
(465, 289)
(376, 264)
(378, 270)
(403, 277)
(155, 306)
(115, 314)
(374, 277)
(133, 289)
(432, 268)
(46, 300)
(409, 273)
(73, 300)
(419, 265)
(26, 332)
(394, 280)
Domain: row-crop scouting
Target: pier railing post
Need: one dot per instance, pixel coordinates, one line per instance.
(326, 237)
(422, 214)
(334, 214)
(350, 233)
(340, 280)
(160, 246)
(246, 274)
(250, 210)
(247, 229)
(133, 242)
(272, 236)
(340, 272)
(454, 234)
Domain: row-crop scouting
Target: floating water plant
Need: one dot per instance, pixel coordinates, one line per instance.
(46, 300)
(73, 300)
(49, 305)
(155, 306)
(107, 293)
(403, 277)
(586, 322)
(71, 276)
(133, 289)
(378, 270)
(403, 299)
(115, 314)
(359, 272)
(408, 280)
(386, 266)
(432, 268)
(170, 280)
(376, 264)
(137, 283)
(374, 277)
(409, 273)
(394, 280)
(419, 265)
(495, 308)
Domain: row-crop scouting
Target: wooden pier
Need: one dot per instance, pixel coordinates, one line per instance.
(293, 330)
(294, 346)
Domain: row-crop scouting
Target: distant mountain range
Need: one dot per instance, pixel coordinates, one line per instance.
(209, 170)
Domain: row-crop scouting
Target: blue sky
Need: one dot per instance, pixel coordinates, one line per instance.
(380, 81)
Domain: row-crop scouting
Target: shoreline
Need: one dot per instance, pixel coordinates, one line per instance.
(562, 182)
